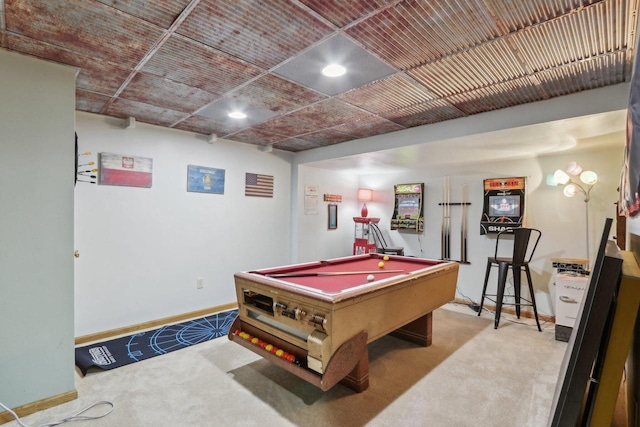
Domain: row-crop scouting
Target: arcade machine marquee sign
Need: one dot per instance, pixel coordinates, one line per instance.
(503, 204)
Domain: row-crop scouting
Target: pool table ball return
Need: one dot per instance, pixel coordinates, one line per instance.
(316, 319)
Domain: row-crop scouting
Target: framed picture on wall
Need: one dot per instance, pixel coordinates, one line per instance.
(203, 179)
(128, 171)
(333, 217)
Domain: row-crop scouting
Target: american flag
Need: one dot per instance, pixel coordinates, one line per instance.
(258, 185)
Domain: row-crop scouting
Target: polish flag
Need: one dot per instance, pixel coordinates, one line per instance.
(116, 169)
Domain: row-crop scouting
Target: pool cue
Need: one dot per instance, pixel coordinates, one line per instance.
(447, 219)
(442, 227)
(333, 273)
(463, 226)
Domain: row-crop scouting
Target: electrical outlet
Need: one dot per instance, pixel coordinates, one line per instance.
(199, 283)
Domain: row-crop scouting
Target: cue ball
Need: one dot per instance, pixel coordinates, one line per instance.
(371, 278)
(381, 264)
(386, 258)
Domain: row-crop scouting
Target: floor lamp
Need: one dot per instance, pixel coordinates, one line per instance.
(571, 187)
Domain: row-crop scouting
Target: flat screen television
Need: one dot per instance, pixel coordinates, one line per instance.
(504, 205)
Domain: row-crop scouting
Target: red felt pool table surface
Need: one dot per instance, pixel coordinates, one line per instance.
(328, 282)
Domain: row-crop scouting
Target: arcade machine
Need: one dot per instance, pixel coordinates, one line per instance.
(503, 204)
(409, 210)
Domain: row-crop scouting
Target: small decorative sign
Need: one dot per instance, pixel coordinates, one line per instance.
(130, 171)
(333, 198)
(202, 179)
(311, 200)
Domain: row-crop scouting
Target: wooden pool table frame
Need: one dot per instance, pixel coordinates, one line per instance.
(401, 305)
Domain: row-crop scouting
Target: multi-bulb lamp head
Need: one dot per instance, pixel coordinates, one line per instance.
(571, 187)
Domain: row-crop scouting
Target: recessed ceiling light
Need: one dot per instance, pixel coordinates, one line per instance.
(334, 70)
(237, 115)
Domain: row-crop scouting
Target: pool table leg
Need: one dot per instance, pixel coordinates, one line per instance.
(358, 379)
(418, 331)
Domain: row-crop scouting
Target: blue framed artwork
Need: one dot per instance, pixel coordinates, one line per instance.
(202, 179)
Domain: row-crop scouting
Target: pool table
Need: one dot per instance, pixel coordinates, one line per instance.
(322, 315)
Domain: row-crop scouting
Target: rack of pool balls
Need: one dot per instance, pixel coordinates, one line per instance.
(268, 347)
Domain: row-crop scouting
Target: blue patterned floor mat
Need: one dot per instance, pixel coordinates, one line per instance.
(144, 345)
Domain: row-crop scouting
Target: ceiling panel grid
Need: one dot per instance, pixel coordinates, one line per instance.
(187, 63)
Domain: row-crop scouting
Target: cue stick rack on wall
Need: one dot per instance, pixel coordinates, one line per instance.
(445, 245)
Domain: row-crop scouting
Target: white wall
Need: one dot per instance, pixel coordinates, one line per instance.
(561, 220)
(36, 229)
(314, 240)
(142, 249)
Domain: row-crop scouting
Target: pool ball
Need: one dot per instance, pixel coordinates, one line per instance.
(386, 258)
(381, 264)
(371, 278)
(268, 347)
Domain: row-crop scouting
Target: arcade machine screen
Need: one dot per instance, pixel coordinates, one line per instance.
(409, 206)
(504, 206)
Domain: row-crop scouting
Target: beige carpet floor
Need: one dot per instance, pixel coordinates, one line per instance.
(472, 375)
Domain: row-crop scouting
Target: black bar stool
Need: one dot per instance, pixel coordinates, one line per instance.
(517, 262)
(381, 243)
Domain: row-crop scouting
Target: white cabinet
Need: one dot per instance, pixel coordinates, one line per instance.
(570, 291)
